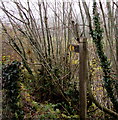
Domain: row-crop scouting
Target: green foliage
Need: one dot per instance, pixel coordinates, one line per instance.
(73, 94)
(49, 112)
(11, 87)
(5, 59)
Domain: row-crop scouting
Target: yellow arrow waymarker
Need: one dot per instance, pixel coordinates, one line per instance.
(74, 48)
(71, 47)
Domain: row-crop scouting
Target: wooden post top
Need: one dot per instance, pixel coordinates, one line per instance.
(83, 40)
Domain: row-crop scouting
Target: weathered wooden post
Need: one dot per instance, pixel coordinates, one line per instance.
(83, 78)
(82, 50)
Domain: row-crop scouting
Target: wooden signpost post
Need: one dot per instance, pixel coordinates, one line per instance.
(83, 78)
(82, 50)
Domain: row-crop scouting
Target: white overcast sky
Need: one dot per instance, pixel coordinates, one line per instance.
(11, 6)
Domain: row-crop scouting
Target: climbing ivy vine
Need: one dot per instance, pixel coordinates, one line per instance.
(10, 75)
(97, 35)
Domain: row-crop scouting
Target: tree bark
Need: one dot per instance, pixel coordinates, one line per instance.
(116, 36)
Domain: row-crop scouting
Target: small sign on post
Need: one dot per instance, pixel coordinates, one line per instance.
(74, 48)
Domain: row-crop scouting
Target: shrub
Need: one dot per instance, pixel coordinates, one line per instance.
(11, 91)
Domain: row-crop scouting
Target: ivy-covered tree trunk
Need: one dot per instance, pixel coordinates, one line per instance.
(105, 64)
(116, 36)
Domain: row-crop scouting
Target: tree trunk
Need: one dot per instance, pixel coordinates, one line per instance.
(116, 36)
